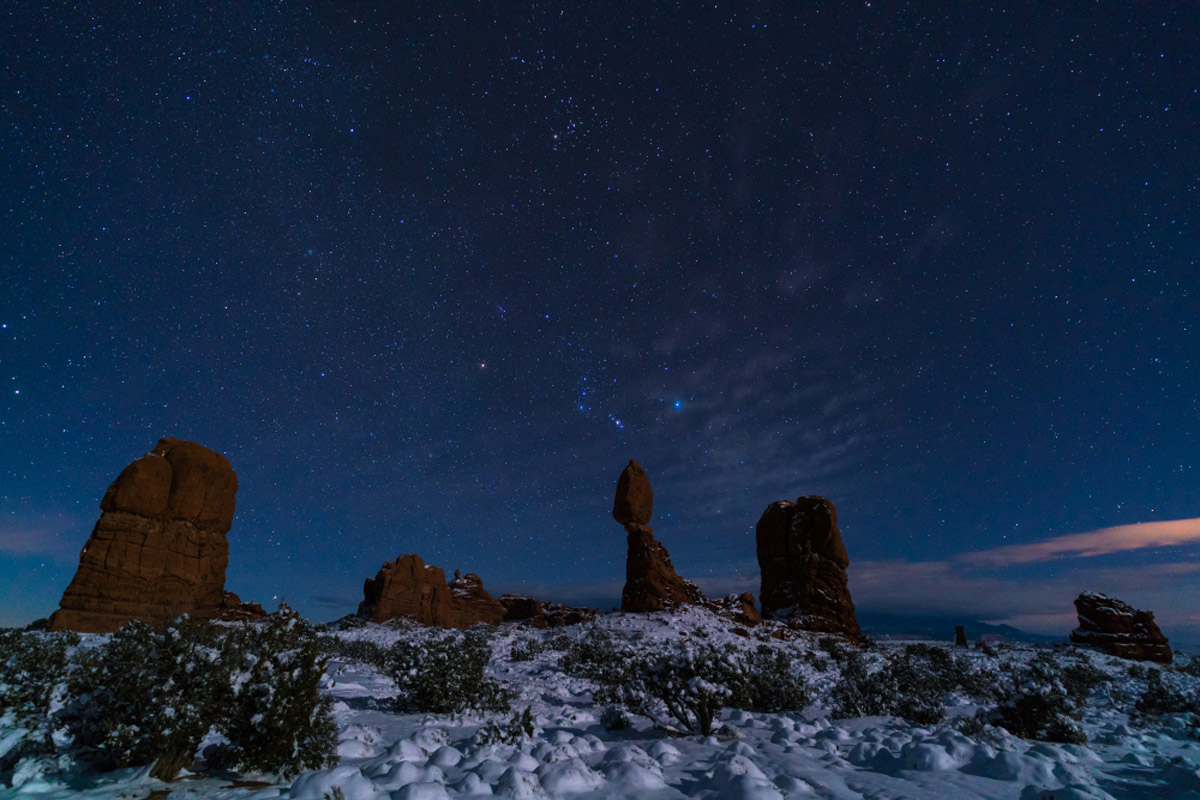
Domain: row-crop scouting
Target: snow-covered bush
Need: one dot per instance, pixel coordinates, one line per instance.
(683, 688)
(1037, 702)
(1165, 697)
(443, 673)
(519, 728)
(32, 673)
(280, 722)
(147, 697)
(356, 651)
(527, 649)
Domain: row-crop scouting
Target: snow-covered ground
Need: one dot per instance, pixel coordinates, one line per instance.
(805, 754)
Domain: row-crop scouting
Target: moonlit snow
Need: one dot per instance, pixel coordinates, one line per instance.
(756, 756)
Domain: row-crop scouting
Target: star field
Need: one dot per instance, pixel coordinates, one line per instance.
(430, 276)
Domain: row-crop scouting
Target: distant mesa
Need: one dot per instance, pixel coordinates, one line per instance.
(651, 583)
(159, 548)
(1119, 629)
(803, 563)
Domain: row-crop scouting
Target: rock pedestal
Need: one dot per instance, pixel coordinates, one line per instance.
(159, 549)
(960, 636)
(651, 582)
(408, 587)
(803, 563)
(1119, 629)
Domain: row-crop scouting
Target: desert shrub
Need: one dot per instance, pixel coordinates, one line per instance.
(147, 697)
(518, 729)
(682, 688)
(1080, 678)
(1165, 697)
(768, 683)
(1137, 671)
(837, 648)
(912, 685)
(527, 649)
(279, 721)
(1037, 704)
(444, 674)
(615, 718)
(32, 679)
(355, 651)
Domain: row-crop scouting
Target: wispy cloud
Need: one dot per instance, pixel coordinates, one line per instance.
(57, 537)
(1104, 541)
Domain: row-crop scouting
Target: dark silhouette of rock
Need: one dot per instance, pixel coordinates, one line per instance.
(234, 609)
(651, 583)
(1119, 629)
(803, 563)
(634, 502)
(408, 587)
(539, 614)
(960, 636)
(159, 549)
(738, 607)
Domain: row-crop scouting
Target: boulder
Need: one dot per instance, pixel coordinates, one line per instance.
(408, 587)
(159, 548)
(1119, 629)
(634, 502)
(803, 563)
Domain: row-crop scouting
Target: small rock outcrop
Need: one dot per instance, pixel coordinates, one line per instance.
(1119, 629)
(960, 636)
(540, 614)
(159, 549)
(651, 582)
(803, 563)
(408, 587)
(738, 607)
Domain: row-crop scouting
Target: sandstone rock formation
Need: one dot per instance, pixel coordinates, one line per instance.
(159, 549)
(803, 563)
(651, 583)
(738, 607)
(539, 614)
(408, 587)
(1119, 629)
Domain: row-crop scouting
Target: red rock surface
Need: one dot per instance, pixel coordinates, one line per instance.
(738, 607)
(408, 587)
(634, 502)
(522, 608)
(1119, 629)
(651, 582)
(159, 549)
(803, 563)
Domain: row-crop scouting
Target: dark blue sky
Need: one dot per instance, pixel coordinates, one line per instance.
(430, 277)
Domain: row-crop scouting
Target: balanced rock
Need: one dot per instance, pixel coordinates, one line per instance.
(651, 582)
(159, 549)
(634, 502)
(408, 587)
(1119, 629)
(803, 563)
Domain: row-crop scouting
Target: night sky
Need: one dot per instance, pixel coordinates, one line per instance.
(429, 274)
